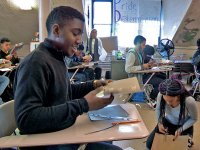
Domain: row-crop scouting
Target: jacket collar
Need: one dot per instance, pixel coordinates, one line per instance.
(53, 48)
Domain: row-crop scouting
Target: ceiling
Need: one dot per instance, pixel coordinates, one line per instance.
(16, 24)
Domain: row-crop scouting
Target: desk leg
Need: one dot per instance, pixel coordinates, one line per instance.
(148, 98)
(71, 79)
(149, 79)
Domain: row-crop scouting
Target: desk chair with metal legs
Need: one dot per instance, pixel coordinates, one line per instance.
(7, 119)
(197, 74)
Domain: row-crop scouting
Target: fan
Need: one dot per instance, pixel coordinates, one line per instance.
(166, 48)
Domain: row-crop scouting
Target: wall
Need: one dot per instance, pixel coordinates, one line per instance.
(189, 30)
(78, 4)
(173, 14)
(18, 25)
(186, 51)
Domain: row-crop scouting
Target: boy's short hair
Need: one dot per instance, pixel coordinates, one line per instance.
(4, 39)
(139, 39)
(60, 14)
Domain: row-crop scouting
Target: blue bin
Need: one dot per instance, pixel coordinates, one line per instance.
(138, 97)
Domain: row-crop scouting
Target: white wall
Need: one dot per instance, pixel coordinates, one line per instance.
(173, 13)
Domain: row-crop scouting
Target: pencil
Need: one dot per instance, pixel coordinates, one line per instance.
(125, 122)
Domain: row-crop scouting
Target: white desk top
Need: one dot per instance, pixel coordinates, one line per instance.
(154, 70)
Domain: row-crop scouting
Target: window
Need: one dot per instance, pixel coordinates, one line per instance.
(150, 30)
(126, 32)
(136, 17)
(102, 17)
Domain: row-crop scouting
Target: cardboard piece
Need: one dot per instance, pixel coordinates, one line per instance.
(165, 142)
(124, 86)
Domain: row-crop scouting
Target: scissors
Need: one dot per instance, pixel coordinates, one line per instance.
(114, 124)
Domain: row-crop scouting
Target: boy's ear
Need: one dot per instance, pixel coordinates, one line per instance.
(56, 30)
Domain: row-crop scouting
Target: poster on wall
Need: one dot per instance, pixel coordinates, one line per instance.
(136, 10)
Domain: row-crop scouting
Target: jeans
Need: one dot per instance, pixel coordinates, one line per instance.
(79, 77)
(97, 72)
(4, 81)
(171, 130)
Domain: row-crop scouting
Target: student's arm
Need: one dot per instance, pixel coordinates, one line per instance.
(130, 61)
(191, 107)
(80, 90)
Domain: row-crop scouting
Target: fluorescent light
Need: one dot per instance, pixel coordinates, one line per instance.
(24, 4)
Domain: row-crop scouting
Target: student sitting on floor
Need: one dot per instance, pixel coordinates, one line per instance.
(176, 111)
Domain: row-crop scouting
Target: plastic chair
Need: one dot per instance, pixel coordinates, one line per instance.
(7, 119)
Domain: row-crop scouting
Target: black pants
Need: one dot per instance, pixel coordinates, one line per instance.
(97, 71)
(171, 130)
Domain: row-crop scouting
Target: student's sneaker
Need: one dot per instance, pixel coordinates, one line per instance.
(152, 103)
(190, 142)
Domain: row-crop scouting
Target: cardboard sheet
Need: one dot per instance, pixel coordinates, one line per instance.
(124, 86)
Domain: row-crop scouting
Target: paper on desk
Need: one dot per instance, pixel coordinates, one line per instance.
(5, 69)
(124, 86)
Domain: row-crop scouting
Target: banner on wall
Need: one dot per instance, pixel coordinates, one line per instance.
(136, 10)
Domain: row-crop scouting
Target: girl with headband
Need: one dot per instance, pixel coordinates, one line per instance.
(176, 111)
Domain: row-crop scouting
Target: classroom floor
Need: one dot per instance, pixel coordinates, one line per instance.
(149, 117)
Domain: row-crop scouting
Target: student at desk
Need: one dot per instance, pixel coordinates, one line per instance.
(157, 78)
(134, 59)
(84, 74)
(5, 51)
(45, 101)
(94, 47)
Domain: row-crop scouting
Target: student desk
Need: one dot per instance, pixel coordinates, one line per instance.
(6, 70)
(78, 132)
(83, 65)
(153, 71)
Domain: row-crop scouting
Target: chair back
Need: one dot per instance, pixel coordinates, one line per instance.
(7, 119)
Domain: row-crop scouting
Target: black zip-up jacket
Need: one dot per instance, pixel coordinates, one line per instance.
(44, 99)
